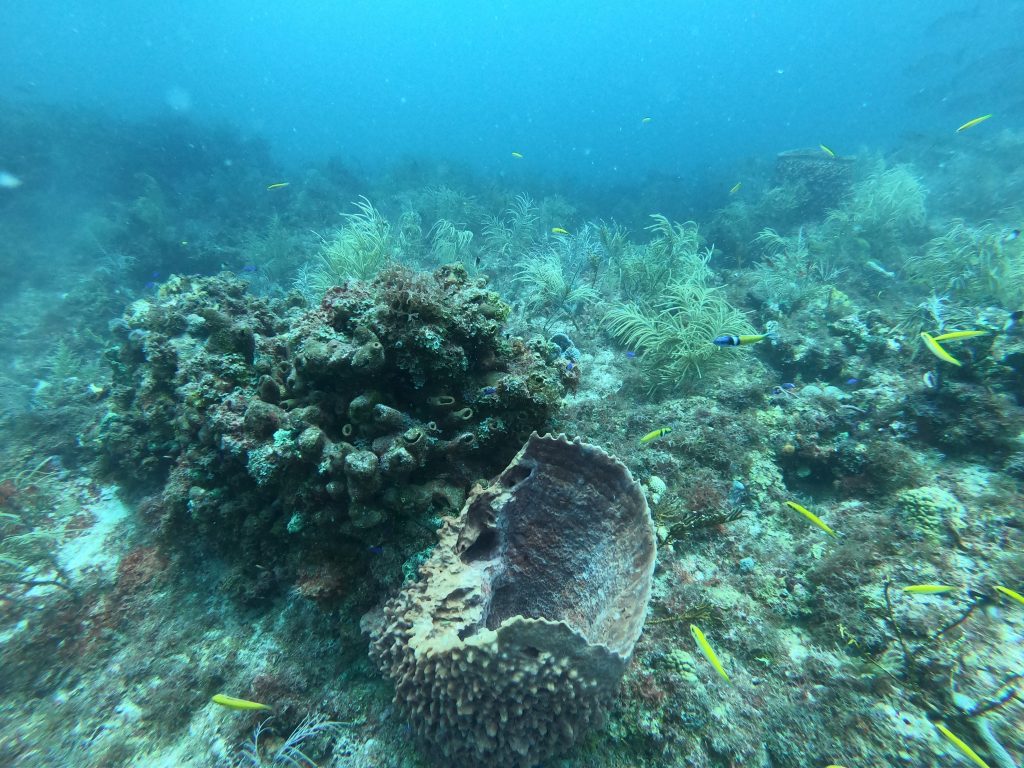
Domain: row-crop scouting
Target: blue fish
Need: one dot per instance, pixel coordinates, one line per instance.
(489, 390)
(851, 382)
(631, 355)
(375, 549)
(249, 268)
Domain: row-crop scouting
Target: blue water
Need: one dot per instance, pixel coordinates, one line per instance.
(565, 85)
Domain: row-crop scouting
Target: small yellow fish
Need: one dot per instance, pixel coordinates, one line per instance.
(559, 231)
(962, 746)
(735, 188)
(972, 123)
(827, 151)
(655, 435)
(958, 335)
(708, 651)
(810, 516)
(279, 185)
(936, 349)
(737, 341)
(1011, 594)
(646, 120)
(232, 703)
(517, 155)
(928, 589)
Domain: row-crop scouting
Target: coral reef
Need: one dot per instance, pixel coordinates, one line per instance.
(321, 434)
(521, 624)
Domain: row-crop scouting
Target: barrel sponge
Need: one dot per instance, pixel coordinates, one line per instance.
(518, 631)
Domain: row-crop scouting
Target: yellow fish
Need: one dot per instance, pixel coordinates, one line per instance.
(928, 589)
(655, 435)
(279, 185)
(646, 120)
(232, 703)
(735, 188)
(972, 123)
(936, 349)
(962, 746)
(517, 155)
(958, 335)
(827, 151)
(708, 651)
(810, 516)
(1011, 594)
(559, 231)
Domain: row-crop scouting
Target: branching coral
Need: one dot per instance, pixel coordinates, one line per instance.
(976, 263)
(674, 251)
(554, 278)
(675, 333)
(359, 249)
(28, 551)
(293, 751)
(790, 272)
(881, 217)
(450, 244)
(513, 232)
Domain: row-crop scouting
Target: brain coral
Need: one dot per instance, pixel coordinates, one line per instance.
(524, 617)
(929, 508)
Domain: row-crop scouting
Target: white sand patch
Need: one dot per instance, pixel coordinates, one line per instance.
(600, 378)
(92, 549)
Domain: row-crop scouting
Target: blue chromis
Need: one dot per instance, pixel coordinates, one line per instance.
(735, 341)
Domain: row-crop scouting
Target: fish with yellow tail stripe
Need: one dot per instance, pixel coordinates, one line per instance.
(973, 756)
(735, 188)
(517, 155)
(958, 335)
(232, 703)
(736, 341)
(708, 651)
(278, 185)
(810, 516)
(936, 349)
(559, 231)
(972, 123)
(1010, 594)
(827, 151)
(928, 589)
(655, 435)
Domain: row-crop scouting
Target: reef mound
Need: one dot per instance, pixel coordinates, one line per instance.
(522, 621)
